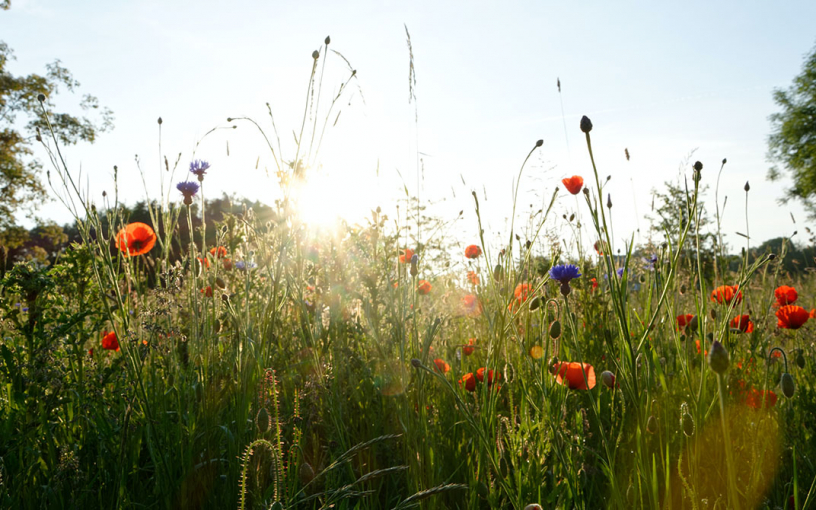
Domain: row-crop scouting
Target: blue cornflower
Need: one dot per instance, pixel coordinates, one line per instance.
(650, 262)
(199, 167)
(564, 273)
(188, 189)
(620, 273)
(243, 266)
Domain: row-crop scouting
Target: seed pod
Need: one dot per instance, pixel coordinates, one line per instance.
(535, 303)
(687, 424)
(788, 387)
(651, 425)
(555, 329)
(497, 272)
(220, 282)
(608, 379)
(718, 357)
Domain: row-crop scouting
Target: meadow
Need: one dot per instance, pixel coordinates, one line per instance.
(248, 361)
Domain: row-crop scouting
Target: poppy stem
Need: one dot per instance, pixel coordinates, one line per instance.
(733, 493)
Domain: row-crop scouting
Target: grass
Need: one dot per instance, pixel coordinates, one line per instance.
(306, 376)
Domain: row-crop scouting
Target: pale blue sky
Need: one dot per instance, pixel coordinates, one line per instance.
(657, 78)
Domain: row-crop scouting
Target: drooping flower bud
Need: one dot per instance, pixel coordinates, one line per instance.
(608, 378)
(416, 363)
(787, 384)
(555, 329)
(718, 357)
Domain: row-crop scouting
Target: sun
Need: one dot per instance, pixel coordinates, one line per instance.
(325, 198)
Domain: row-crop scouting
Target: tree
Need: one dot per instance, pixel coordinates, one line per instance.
(22, 122)
(792, 142)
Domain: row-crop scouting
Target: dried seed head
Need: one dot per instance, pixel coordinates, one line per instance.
(718, 357)
(586, 124)
(788, 387)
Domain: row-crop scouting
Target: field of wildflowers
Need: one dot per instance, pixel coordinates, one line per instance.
(246, 361)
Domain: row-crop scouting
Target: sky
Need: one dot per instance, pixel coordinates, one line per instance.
(661, 79)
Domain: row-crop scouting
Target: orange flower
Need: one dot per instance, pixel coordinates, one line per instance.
(594, 283)
(207, 291)
(785, 295)
(480, 376)
(598, 247)
(218, 252)
(109, 341)
(468, 381)
(135, 239)
(441, 365)
(522, 292)
(405, 256)
(471, 306)
(473, 278)
(473, 252)
(791, 317)
(573, 184)
(572, 375)
(697, 343)
(683, 321)
(726, 293)
(813, 313)
(468, 349)
(423, 287)
(754, 398)
(205, 262)
(742, 323)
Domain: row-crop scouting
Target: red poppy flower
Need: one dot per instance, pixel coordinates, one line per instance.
(697, 343)
(572, 375)
(726, 293)
(522, 292)
(785, 295)
(473, 278)
(754, 398)
(598, 247)
(742, 323)
(218, 252)
(423, 287)
(480, 375)
(205, 262)
(468, 349)
(441, 365)
(473, 252)
(683, 321)
(109, 341)
(207, 291)
(405, 256)
(791, 317)
(813, 313)
(471, 306)
(594, 283)
(135, 239)
(573, 184)
(468, 381)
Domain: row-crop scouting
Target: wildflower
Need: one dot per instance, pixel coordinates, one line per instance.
(564, 273)
(718, 357)
(405, 256)
(697, 343)
(742, 323)
(572, 375)
(727, 293)
(473, 278)
(218, 252)
(650, 262)
(204, 262)
(423, 287)
(522, 292)
(536, 352)
(473, 252)
(471, 306)
(594, 283)
(243, 266)
(136, 239)
(207, 291)
(199, 168)
(754, 398)
(188, 189)
(573, 184)
(109, 341)
(619, 272)
(785, 295)
(468, 381)
(468, 349)
(608, 378)
(480, 375)
(791, 317)
(598, 247)
(684, 321)
(441, 365)
(813, 313)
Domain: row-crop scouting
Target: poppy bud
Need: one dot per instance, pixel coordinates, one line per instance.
(771, 256)
(586, 124)
(555, 330)
(713, 314)
(315, 54)
(698, 166)
(687, 424)
(220, 282)
(608, 379)
(539, 143)
(416, 363)
(718, 357)
(535, 303)
(724, 161)
(800, 359)
(586, 191)
(747, 187)
(651, 425)
(41, 97)
(497, 272)
(160, 121)
(609, 200)
(553, 364)
(328, 40)
(788, 387)
(565, 289)
(682, 289)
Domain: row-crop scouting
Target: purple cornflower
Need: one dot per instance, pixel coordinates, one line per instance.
(620, 273)
(563, 274)
(199, 167)
(243, 266)
(650, 262)
(188, 189)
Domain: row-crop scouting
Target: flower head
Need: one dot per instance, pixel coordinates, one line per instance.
(650, 262)
(109, 341)
(683, 321)
(468, 381)
(573, 184)
(423, 287)
(480, 375)
(471, 306)
(572, 375)
(726, 293)
(791, 317)
(406, 255)
(199, 168)
(441, 365)
(468, 349)
(522, 292)
(473, 252)
(742, 323)
(473, 278)
(785, 295)
(188, 189)
(136, 239)
(218, 252)
(564, 273)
